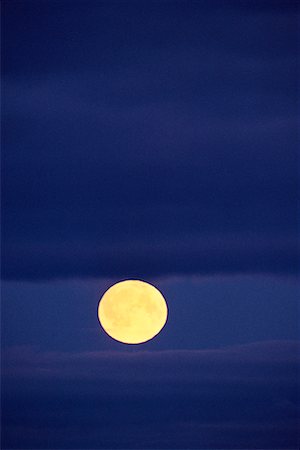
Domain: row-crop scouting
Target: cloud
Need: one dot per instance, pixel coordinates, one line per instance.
(132, 155)
(140, 258)
(29, 361)
(170, 399)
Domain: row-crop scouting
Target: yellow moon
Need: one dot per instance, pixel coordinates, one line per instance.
(132, 311)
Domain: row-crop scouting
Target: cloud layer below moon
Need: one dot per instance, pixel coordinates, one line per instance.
(171, 399)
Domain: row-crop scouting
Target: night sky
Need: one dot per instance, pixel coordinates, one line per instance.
(154, 140)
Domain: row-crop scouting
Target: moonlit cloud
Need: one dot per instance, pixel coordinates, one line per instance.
(206, 398)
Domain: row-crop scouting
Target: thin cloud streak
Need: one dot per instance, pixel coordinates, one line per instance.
(169, 399)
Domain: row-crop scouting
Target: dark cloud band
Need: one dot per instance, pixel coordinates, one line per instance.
(168, 399)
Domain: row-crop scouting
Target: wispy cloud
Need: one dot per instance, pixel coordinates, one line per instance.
(148, 144)
(205, 398)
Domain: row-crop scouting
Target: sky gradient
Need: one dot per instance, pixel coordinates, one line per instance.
(152, 140)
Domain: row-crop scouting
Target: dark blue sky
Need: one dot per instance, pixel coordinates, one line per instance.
(153, 140)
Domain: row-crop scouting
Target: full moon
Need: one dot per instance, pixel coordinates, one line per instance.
(132, 311)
